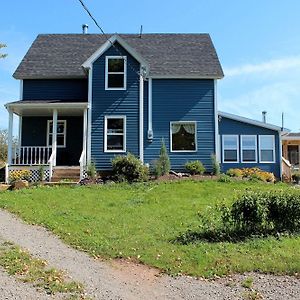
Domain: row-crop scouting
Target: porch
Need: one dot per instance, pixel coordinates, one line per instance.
(51, 134)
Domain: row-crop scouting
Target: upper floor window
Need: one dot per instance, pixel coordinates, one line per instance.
(267, 148)
(115, 72)
(249, 146)
(183, 136)
(60, 133)
(230, 148)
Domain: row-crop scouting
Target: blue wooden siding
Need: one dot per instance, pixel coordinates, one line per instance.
(72, 90)
(110, 102)
(229, 126)
(181, 100)
(34, 133)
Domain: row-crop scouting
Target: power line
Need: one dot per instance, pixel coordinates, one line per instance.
(105, 35)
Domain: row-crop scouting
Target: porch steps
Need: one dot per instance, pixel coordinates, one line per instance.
(71, 174)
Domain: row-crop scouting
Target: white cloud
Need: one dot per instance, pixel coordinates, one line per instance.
(274, 66)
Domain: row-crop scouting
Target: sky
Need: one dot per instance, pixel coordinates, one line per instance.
(257, 41)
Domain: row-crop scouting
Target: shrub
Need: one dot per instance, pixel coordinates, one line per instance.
(224, 178)
(16, 175)
(234, 173)
(215, 165)
(296, 177)
(195, 167)
(129, 168)
(162, 165)
(91, 170)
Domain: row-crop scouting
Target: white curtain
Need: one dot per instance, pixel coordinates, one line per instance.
(176, 127)
(188, 127)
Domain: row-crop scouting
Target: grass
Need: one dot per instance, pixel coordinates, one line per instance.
(247, 283)
(142, 221)
(20, 263)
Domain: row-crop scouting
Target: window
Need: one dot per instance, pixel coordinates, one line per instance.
(249, 146)
(115, 134)
(183, 136)
(267, 148)
(60, 133)
(115, 73)
(230, 148)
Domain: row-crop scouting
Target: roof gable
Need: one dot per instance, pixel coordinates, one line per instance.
(167, 55)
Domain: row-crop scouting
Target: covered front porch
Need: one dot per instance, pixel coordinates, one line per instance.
(50, 134)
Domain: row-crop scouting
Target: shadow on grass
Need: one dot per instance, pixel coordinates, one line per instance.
(231, 236)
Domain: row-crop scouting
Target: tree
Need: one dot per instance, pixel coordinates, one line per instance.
(2, 55)
(3, 145)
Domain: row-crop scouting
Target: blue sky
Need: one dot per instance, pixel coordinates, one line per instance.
(258, 43)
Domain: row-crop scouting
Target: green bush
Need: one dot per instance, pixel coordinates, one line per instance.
(91, 170)
(195, 167)
(215, 165)
(162, 165)
(129, 168)
(234, 173)
(224, 178)
(262, 212)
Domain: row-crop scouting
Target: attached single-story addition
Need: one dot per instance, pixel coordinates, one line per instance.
(127, 94)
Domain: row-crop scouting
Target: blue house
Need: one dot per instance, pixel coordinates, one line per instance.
(85, 99)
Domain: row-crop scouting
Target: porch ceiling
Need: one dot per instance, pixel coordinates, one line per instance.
(45, 108)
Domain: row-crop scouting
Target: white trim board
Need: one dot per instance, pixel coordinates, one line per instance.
(252, 122)
(115, 38)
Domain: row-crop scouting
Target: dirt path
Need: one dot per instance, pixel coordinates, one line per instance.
(123, 280)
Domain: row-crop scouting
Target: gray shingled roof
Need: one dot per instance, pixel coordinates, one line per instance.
(61, 55)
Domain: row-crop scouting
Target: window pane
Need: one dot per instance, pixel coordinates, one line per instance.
(50, 140)
(249, 155)
(266, 142)
(115, 65)
(230, 155)
(266, 155)
(60, 127)
(230, 142)
(249, 142)
(183, 137)
(115, 125)
(115, 142)
(115, 81)
(60, 140)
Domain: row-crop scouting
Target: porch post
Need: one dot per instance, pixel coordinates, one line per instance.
(20, 131)
(84, 140)
(54, 134)
(10, 136)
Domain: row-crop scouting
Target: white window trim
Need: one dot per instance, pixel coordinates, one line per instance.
(274, 149)
(237, 149)
(105, 133)
(171, 142)
(123, 73)
(241, 142)
(64, 133)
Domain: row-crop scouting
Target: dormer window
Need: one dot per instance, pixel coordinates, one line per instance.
(115, 73)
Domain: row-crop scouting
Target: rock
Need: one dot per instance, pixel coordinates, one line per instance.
(4, 187)
(20, 184)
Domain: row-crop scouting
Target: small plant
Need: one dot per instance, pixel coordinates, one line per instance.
(234, 173)
(296, 177)
(16, 175)
(195, 167)
(215, 165)
(224, 178)
(41, 173)
(162, 165)
(247, 283)
(91, 170)
(129, 168)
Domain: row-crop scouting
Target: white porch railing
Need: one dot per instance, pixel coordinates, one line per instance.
(31, 155)
(82, 163)
(52, 162)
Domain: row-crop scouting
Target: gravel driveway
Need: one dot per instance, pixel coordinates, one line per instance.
(124, 280)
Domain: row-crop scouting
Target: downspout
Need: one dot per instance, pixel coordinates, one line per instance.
(150, 128)
(141, 112)
(217, 148)
(280, 154)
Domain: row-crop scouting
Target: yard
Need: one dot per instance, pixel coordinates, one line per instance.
(141, 222)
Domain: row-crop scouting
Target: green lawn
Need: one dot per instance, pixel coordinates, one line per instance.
(140, 221)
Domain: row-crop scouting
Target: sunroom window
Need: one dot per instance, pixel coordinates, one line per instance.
(115, 134)
(230, 148)
(60, 133)
(183, 136)
(267, 148)
(115, 75)
(249, 146)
